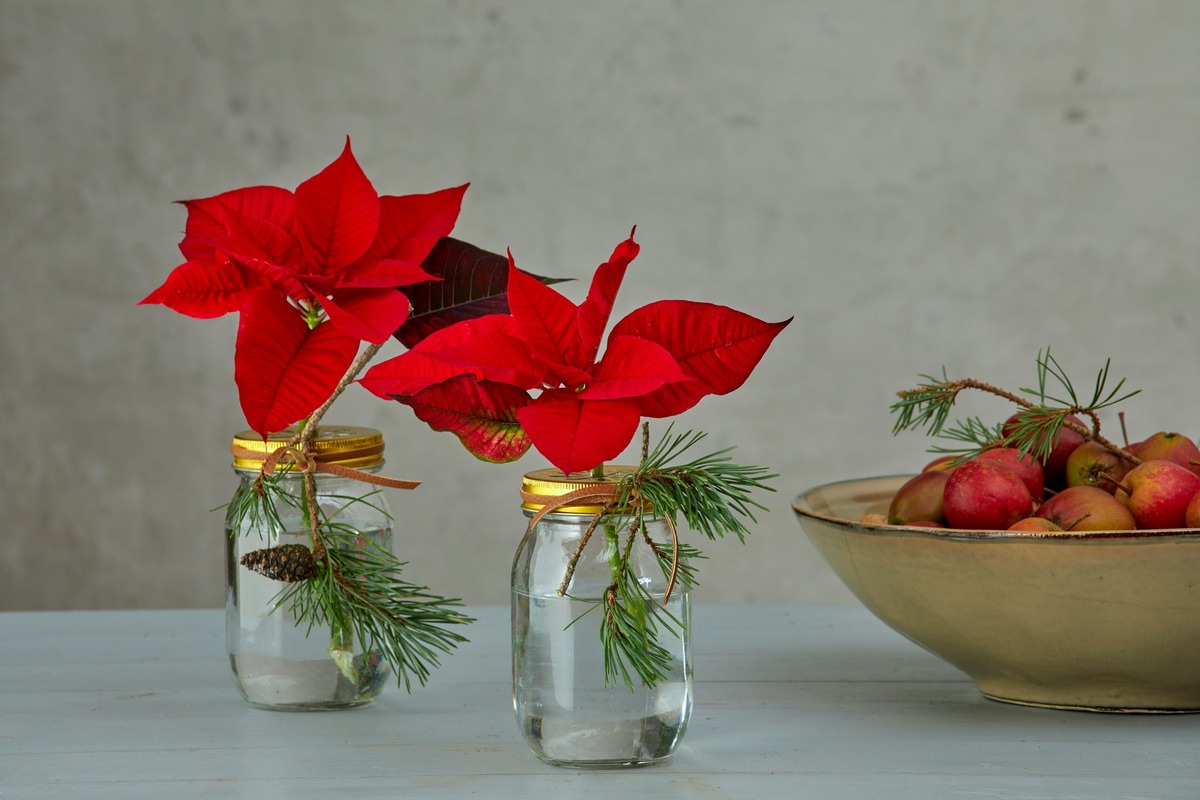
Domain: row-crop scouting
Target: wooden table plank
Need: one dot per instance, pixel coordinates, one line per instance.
(821, 702)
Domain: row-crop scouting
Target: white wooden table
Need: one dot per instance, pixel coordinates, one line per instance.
(791, 702)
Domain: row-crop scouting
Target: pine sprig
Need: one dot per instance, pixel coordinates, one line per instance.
(974, 433)
(712, 494)
(629, 634)
(1040, 417)
(358, 590)
(362, 589)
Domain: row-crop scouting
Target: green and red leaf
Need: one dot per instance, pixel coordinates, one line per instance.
(284, 370)
(576, 435)
(337, 214)
(482, 414)
(716, 345)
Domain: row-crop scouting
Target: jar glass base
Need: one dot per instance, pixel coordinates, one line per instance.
(308, 685)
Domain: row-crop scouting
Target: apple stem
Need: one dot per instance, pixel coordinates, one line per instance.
(1076, 522)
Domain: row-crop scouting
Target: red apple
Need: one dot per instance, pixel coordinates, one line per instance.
(1157, 493)
(1034, 524)
(1169, 446)
(1027, 469)
(985, 495)
(1093, 464)
(1055, 463)
(1086, 508)
(943, 463)
(920, 498)
(1191, 514)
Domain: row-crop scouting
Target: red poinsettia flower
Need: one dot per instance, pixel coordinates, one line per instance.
(313, 272)
(536, 377)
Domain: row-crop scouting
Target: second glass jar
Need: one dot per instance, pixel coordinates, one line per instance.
(568, 712)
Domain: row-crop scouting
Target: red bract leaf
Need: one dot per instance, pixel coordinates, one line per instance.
(275, 275)
(549, 323)
(481, 414)
(385, 272)
(410, 372)
(406, 374)
(204, 289)
(473, 285)
(409, 227)
(576, 435)
(258, 238)
(716, 345)
(594, 311)
(367, 314)
(492, 348)
(631, 367)
(337, 214)
(283, 369)
(207, 217)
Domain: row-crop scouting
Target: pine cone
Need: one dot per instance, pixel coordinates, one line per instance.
(290, 563)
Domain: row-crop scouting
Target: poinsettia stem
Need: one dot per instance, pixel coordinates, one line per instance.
(310, 425)
(598, 472)
(341, 632)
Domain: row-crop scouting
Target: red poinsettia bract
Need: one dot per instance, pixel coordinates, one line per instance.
(536, 377)
(313, 272)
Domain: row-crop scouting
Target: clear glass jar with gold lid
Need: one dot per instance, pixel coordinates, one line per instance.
(276, 663)
(571, 707)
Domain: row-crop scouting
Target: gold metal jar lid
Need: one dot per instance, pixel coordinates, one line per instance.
(348, 445)
(552, 483)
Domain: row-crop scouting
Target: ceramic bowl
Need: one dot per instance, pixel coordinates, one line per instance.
(1097, 621)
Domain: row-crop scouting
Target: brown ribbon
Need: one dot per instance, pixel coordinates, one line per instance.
(606, 494)
(309, 461)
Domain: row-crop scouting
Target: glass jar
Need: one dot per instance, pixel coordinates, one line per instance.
(568, 712)
(277, 663)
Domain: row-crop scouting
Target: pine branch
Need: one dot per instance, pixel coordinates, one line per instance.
(713, 495)
(361, 587)
(358, 590)
(1037, 421)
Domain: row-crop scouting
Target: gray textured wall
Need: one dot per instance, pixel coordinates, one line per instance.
(919, 183)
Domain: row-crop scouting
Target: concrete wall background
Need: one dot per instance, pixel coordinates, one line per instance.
(919, 183)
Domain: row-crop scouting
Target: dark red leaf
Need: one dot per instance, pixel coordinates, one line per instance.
(595, 310)
(631, 367)
(409, 227)
(337, 214)
(367, 314)
(473, 284)
(283, 369)
(576, 435)
(481, 414)
(716, 345)
(204, 289)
